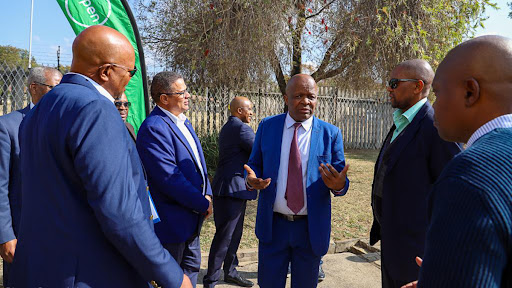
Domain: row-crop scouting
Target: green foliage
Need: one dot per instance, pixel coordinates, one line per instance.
(241, 42)
(210, 146)
(14, 56)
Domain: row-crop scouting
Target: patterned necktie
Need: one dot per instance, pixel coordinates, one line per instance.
(294, 190)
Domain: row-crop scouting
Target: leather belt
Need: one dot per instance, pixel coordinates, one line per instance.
(291, 217)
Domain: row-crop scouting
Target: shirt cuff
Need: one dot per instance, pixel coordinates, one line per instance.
(248, 186)
(343, 191)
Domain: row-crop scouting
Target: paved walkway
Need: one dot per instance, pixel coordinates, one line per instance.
(342, 270)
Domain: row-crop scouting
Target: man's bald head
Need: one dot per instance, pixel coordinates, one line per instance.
(473, 85)
(241, 107)
(95, 50)
(418, 69)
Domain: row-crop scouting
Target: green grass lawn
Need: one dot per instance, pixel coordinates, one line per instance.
(351, 214)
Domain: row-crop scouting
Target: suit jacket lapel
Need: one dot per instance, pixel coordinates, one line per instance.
(395, 148)
(176, 131)
(24, 111)
(198, 144)
(313, 146)
(276, 139)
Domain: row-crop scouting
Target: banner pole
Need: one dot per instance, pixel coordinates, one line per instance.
(141, 55)
(30, 37)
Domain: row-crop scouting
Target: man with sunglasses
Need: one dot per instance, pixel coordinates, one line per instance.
(410, 160)
(123, 106)
(86, 217)
(40, 81)
(173, 158)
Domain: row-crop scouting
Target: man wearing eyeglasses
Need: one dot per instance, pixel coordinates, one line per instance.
(86, 216)
(40, 81)
(173, 158)
(410, 160)
(123, 106)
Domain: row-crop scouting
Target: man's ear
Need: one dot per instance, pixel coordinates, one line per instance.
(104, 72)
(285, 97)
(472, 91)
(419, 86)
(239, 110)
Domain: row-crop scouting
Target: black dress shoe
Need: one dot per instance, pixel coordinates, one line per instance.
(238, 280)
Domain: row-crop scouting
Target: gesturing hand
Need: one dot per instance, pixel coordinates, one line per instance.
(7, 250)
(333, 179)
(256, 183)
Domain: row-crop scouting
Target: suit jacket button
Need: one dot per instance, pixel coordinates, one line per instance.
(202, 185)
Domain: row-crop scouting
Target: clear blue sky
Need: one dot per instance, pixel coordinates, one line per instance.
(51, 29)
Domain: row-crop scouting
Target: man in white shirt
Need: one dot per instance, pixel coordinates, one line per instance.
(293, 222)
(178, 181)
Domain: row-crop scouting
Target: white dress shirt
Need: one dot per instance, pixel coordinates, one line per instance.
(504, 121)
(31, 105)
(97, 86)
(304, 140)
(180, 122)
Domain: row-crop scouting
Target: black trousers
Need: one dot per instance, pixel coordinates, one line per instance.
(229, 216)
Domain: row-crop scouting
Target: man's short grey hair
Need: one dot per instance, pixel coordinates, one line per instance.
(162, 83)
(38, 74)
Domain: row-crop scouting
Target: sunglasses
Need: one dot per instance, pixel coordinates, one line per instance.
(132, 71)
(43, 84)
(180, 94)
(393, 83)
(120, 103)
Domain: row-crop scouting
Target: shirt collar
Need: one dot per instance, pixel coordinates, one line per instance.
(32, 105)
(97, 86)
(180, 118)
(504, 121)
(410, 113)
(305, 124)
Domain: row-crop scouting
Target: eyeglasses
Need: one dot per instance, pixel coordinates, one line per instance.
(43, 84)
(121, 103)
(393, 83)
(180, 94)
(132, 71)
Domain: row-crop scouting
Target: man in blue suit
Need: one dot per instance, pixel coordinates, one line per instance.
(85, 219)
(297, 161)
(411, 158)
(40, 81)
(230, 194)
(177, 176)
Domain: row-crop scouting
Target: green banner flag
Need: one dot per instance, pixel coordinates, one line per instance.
(115, 14)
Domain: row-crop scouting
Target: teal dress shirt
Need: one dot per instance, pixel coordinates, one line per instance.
(402, 119)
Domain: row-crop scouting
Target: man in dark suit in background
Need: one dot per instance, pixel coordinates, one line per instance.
(40, 81)
(230, 194)
(123, 106)
(86, 214)
(411, 158)
(176, 169)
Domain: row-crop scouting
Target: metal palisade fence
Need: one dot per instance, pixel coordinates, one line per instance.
(364, 117)
(13, 88)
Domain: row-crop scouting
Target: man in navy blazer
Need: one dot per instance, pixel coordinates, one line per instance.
(411, 158)
(297, 161)
(40, 81)
(85, 219)
(230, 194)
(177, 176)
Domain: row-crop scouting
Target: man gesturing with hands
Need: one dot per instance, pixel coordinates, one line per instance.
(297, 161)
